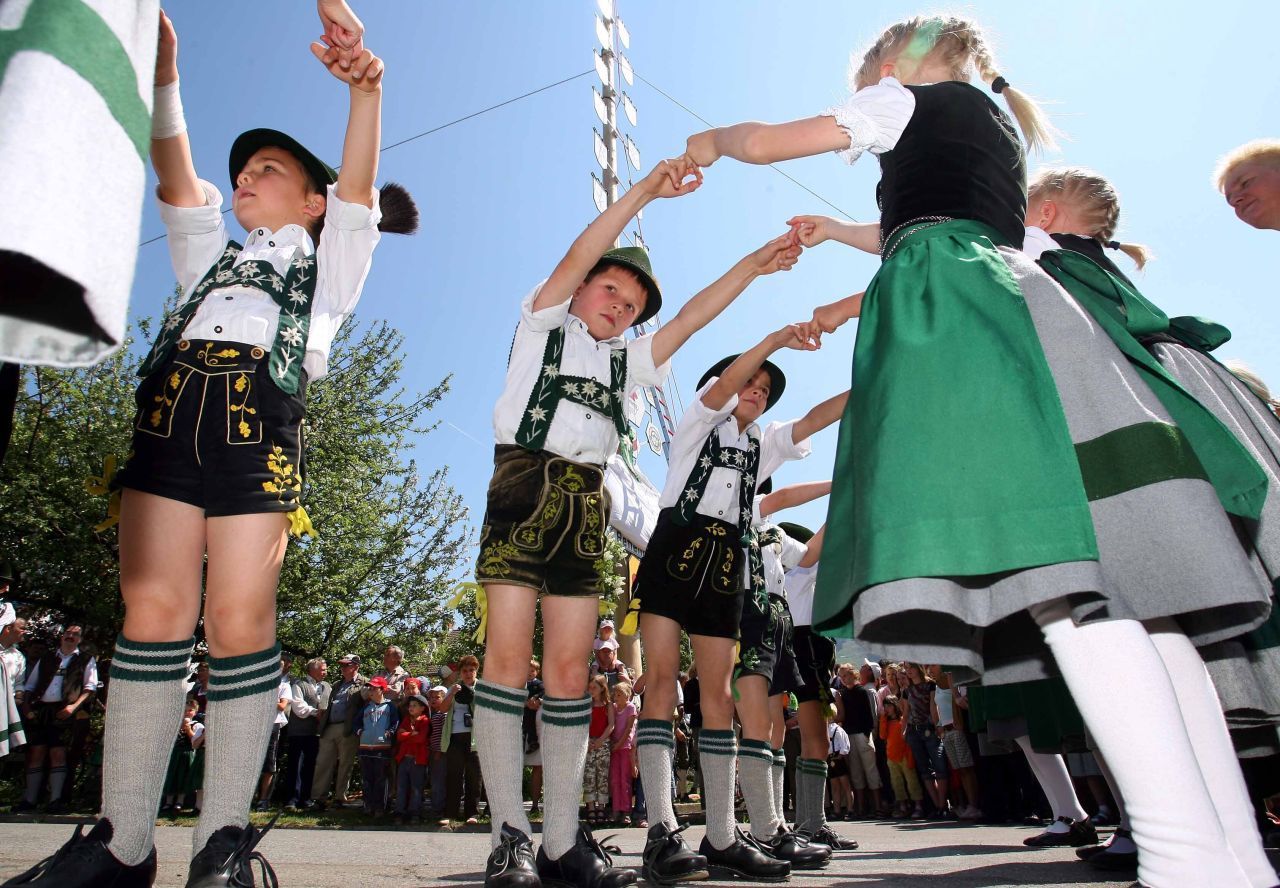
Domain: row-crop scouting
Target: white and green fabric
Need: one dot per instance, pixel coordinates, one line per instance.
(11, 733)
(75, 110)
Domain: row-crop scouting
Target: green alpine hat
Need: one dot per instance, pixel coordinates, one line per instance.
(636, 260)
(255, 139)
(797, 532)
(778, 381)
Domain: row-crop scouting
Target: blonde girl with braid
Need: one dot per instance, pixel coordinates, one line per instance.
(1058, 512)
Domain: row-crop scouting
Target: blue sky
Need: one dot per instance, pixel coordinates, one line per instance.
(1150, 94)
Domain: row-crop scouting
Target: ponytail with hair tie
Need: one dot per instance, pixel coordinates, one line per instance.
(999, 85)
(1113, 244)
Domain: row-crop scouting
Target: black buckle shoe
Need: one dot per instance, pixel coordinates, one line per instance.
(511, 862)
(86, 862)
(829, 837)
(227, 859)
(668, 860)
(797, 850)
(1103, 858)
(586, 865)
(1078, 834)
(744, 860)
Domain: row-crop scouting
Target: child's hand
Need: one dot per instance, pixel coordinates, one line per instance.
(811, 230)
(667, 179)
(701, 149)
(779, 254)
(166, 52)
(796, 336)
(364, 73)
(343, 28)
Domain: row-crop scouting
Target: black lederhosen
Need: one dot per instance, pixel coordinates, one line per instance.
(544, 523)
(816, 661)
(766, 647)
(213, 430)
(46, 729)
(693, 574)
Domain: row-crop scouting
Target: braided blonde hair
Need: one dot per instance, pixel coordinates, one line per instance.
(959, 45)
(1094, 201)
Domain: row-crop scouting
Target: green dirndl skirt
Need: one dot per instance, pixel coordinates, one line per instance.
(1044, 707)
(997, 451)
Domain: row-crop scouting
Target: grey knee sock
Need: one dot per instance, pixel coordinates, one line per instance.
(779, 792)
(35, 780)
(656, 748)
(811, 786)
(565, 728)
(755, 774)
(716, 753)
(57, 782)
(498, 732)
(243, 692)
(148, 685)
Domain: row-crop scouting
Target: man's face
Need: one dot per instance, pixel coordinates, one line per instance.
(607, 657)
(1253, 191)
(866, 676)
(71, 637)
(202, 673)
(348, 671)
(318, 670)
(286, 663)
(12, 634)
(391, 659)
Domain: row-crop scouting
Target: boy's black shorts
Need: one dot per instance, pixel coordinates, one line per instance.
(544, 523)
(816, 660)
(766, 645)
(213, 430)
(693, 574)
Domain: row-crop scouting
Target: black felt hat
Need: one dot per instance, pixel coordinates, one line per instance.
(251, 141)
(797, 532)
(636, 261)
(777, 380)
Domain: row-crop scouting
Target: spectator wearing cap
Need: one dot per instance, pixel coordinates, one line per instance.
(302, 733)
(13, 666)
(604, 633)
(378, 722)
(437, 767)
(284, 700)
(336, 754)
(413, 742)
(607, 662)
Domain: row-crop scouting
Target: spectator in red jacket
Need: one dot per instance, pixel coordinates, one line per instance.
(412, 748)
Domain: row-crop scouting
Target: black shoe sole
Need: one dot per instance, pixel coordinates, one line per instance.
(724, 872)
(700, 875)
(1117, 863)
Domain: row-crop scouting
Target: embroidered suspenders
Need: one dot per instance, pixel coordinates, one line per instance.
(769, 536)
(293, 293)
(552, 387)
(715, 455)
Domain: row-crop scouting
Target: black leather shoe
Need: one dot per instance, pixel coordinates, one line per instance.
(585, 865)
(828, 836)
(744, 860)
(668, 860)
(85, 862)
(1103, 858)
(511, 863)
(797, 850)
(1080, 833)
(227, 859)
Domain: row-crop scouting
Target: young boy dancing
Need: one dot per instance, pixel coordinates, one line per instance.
(559, 418)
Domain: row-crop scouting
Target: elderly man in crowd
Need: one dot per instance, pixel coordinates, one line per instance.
(607, 662)
(1249, 177)
(393, 672)
(338, 741)
(302, 732)
(13, 665)
(60, 683)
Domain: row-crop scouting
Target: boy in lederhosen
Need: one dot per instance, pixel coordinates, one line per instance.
(692, 578)
(216, 463)
(766, 672)
(559, 418)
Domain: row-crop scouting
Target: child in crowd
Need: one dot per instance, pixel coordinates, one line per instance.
(596, 775)
(838, 771)
(558, 419)
(622, 744)
(692, 578)
(413, 738)
(376, 728)
(902, 765)
(182, 777)
(212, 487)
(436, 764)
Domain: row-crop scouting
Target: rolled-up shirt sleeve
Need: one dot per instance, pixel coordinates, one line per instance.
(197, 235)
(640, 369)
(546, 319)
(344, 257)
(874, 117)
(778, 445)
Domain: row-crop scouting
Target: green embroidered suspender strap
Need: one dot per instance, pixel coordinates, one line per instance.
(715, 455)
(293, 293)
(768, 536)
(552, 387)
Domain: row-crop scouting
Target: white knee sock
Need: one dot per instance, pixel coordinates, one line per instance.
(655, 747)
(779, 791)
(1051, 773)
(717, 751)
(1207, 729)
(497, 729)
(755, 776)
(1175, 825)
(566, 725)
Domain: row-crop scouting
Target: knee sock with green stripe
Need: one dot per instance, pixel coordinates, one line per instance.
(148, 686)
(811, 787)
(243, 692)
(566, 724)
(499, 738)
(656, 749)
(755, 774)
(779, 792)
(716, 753)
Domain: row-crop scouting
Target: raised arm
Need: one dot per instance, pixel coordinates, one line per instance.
(364, 121)
(779, 254)
(820, 416)
(739, 373)
(170, 147)
(813, 230)
(759, 143)
(667, 179)
(829, 318)
(793, 495)
(815, 548)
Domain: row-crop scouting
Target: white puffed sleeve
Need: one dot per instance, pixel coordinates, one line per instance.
(874, 117)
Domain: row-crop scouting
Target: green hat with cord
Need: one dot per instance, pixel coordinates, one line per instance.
(636, 261)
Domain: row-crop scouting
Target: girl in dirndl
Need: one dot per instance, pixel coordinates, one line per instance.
(1059, 506)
